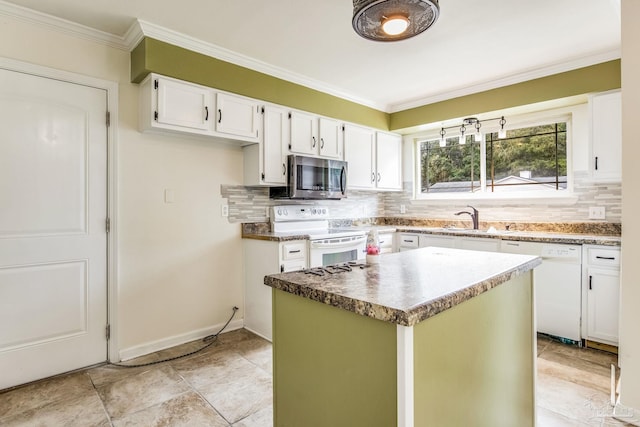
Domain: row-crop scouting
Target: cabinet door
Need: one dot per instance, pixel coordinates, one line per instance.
(388, 161)
(479, 244)
(437, 241)
(359, 153)
(606, 134)
(275, 137)
(603, 301)
(182, 104)
(237, 116)
(330, 133)
(304, 133)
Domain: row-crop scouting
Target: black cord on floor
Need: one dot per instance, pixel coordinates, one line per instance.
(211, 338)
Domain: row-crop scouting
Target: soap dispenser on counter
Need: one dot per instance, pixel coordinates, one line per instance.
(373, 247)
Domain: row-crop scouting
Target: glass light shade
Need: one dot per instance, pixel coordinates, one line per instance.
(443, 142)
(395, 25)
(462, 139)
(477, 137)
(502, 133)
(370, 16)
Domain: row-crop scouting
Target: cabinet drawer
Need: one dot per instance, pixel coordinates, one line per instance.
(409, 240)
(602, 256)
(295, 265)
(294, 250)
(386, 240)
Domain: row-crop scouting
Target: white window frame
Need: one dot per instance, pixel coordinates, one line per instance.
(566, 196)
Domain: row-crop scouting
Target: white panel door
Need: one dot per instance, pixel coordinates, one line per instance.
(53, 258)
(388, 161)
(238, 116)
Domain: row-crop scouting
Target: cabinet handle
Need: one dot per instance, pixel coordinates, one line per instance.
(219, 115)
(513, 244)
(206, 113)
(321, 142)
(590, 287)
(408, 241)
(378, 176)
(373, 177)
(297, 251)
(284, 169)
(314, 142)
(612, 258)
(596, 162)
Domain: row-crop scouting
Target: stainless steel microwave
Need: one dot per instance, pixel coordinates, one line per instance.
(313, 178)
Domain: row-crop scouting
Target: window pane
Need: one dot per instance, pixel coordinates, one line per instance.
(533, 158)
(452, 168)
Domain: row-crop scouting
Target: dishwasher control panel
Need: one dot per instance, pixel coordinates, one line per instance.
(560, 251)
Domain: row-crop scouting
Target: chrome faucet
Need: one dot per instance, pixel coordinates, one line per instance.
(474, 216)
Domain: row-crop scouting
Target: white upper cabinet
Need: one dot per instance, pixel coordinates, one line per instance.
(330, 136)
(265, 163)
(374, 159)
(388, 161)
(606, 136)
(237, 116)
(359, 153)
(304, 133)
(175, 105)
(315, 136)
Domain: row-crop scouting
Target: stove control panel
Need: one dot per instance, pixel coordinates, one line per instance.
(299, 213)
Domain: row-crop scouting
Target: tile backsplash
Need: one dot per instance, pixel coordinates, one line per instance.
(249, 204)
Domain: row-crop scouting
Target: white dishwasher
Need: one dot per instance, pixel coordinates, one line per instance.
(557, 283)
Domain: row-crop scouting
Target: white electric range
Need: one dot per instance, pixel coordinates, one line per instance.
(327, 246)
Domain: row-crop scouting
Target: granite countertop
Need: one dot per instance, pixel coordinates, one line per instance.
(529, 236)
(406, 288)
(526, 236)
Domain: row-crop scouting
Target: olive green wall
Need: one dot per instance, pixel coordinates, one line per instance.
(474, 363)
(163, 58)
(331, 367)
(153, 56)
(596, 78)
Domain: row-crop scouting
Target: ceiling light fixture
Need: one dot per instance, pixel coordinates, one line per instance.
(476, 123)
(393, 20)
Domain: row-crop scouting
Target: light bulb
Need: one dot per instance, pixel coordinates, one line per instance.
(395, 25)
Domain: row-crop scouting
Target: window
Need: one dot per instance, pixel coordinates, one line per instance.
(532, 158)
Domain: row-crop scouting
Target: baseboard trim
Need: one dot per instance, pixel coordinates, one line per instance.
(164, 343)
(601, 346)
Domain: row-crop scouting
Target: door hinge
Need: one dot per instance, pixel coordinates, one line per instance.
(107, 225)
(262, 110)
(155, 84)
(107, 332)
(155, 116)
(262, 176)
(289, 115)
(108, 119)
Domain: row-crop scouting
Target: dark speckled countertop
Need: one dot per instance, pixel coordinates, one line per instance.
(406, 288)
(261, 232)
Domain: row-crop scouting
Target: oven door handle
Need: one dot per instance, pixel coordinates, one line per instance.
(350, 242)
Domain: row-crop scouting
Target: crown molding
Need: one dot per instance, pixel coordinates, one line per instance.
(61, 25)
(191, 43)
(537, 73)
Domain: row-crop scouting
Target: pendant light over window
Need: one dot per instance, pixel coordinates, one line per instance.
(393, 20)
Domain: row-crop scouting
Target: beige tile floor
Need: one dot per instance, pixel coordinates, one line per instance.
(229, 384)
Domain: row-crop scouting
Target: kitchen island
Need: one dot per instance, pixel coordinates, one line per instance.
(430, 337)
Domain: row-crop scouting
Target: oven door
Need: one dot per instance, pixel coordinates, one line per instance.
(336, 250)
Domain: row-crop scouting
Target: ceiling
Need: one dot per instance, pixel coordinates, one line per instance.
(475, 44)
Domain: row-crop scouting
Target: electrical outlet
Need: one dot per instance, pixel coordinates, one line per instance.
(596, 212)
(403, 209)
(224, 210)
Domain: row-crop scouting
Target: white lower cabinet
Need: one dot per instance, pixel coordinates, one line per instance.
(437, 241)
(261, 258)
(407, 241)
(601, 289)
(386, 242)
